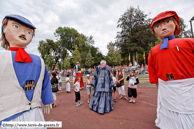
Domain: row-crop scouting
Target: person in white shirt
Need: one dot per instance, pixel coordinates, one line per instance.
(76, 88)
(67, 84)
(88, 86)
(132, 88)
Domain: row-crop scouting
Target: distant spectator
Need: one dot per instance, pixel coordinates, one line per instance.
(67, 84)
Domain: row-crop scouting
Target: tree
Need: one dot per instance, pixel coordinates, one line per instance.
(184, 33)
(51, 48)
(76, 56)
(110, 54)
(89, 59)
(66, 62)
(135, 35)
(113, 56)
(69, 37)
(49, 61)
(118, 58)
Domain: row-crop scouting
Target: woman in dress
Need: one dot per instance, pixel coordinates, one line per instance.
(120, 79)
(101, 100)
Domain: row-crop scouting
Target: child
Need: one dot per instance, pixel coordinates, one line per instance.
(67, 84)
(88, 86)
(76, 87)
(54, 82)
(133, 81)
(115, 82)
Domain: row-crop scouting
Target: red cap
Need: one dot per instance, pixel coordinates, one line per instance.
(164, 15)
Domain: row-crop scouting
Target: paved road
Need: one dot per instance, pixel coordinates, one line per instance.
(124, 116)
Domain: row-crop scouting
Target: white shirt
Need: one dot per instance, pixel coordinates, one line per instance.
(88, 82)
(132, 80)
(57, 77)
(60, 78)
(77, 86)
(74, 74)
(114, 80)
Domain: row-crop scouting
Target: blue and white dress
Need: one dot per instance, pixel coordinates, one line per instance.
(101, 100)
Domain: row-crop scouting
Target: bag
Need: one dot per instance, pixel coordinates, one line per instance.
(55, 88)
(118, 85)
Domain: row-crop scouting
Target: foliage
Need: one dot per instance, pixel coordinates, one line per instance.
(69, 37)
(76, 56)
(140, 58)
(113, 56)
(89, 59)
(135, 34)
(49, 61)
(184, 33)
(66, 62)
(51, 48)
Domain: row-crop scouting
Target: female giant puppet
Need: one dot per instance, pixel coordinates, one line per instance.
(171, 66)
(101, 100)
(24, 78)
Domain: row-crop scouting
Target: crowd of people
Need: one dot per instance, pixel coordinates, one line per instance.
(118, 74)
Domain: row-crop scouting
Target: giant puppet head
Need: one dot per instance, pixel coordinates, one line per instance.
(166, 24)
(17, 31)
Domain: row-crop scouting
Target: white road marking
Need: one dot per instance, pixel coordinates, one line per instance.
(147, 103)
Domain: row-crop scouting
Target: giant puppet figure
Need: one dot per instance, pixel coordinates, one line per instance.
(25, 80)
(101, 100)
(79, 74)
(171, 67)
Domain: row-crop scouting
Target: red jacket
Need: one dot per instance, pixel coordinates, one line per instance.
(177, 60)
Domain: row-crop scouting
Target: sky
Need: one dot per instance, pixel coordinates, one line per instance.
(97, 18)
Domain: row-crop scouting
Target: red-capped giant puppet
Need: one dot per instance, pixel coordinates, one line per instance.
(171, 67)
(24, 79)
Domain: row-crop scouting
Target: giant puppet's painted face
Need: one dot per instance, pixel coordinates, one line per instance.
(17, 34)
(165, 28)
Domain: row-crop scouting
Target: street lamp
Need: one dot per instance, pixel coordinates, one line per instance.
(191, 26)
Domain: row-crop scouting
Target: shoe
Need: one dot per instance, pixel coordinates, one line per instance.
(88, 102)
(130, 101)
(53, 106)
(77, 104)
(120, 97)
(115, 100)
(133, 101)
(80, 102)
(126, 98)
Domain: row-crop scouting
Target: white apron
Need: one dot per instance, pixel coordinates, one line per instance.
(68, 87)
(175, 108)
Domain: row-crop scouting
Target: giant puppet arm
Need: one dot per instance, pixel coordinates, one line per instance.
(151, 69)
